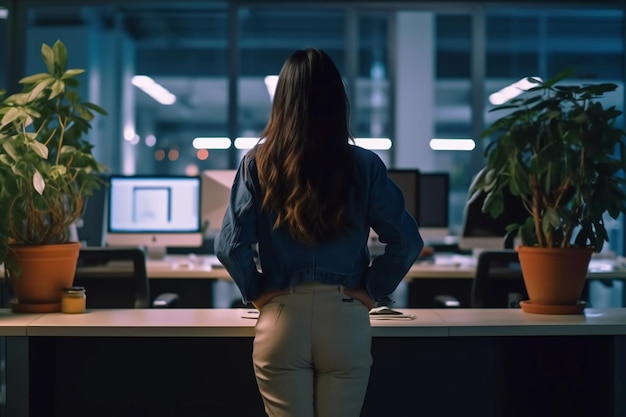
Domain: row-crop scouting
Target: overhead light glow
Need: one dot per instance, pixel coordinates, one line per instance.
(211, 143)
(154, 89)
(129, 132)
(374, 144)
(270, 84)
(4, 13)
(245, 142)
(452, 144)
(150, 141)
(511, 91)
(367, 143)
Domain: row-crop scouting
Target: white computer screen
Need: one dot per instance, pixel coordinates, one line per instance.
(154, 204)
(154, 212)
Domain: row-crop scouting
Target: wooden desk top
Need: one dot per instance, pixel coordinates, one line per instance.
(231, 323)
(12, 324)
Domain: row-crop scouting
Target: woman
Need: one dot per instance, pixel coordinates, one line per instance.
(307, 198)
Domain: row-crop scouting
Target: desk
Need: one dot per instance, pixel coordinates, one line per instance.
(198, 362)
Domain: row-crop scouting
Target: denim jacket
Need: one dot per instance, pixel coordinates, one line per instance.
(375, 202)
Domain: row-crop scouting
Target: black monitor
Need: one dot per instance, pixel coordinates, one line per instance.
(427, 198)
(434, 206)
(408, 180)
(481, 231)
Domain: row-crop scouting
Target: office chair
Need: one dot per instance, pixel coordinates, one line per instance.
(498, 282)
(117, 278)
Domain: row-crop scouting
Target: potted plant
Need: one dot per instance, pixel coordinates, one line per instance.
(559, 150)
(46, 171)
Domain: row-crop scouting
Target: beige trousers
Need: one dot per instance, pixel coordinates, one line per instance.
(312, 353)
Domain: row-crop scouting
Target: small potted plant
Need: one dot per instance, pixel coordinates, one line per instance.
(559, 150)
(47, 170)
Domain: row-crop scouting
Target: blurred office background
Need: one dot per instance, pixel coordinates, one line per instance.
(415, 72)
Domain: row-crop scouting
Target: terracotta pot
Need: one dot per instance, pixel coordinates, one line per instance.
(554, 276)
(42, 271)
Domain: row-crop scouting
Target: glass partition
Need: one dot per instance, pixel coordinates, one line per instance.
(411, 73)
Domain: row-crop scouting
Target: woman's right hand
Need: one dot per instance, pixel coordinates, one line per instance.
(266, 298)
(362, 296)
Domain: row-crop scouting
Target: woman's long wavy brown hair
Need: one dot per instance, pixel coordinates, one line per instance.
(303, 160)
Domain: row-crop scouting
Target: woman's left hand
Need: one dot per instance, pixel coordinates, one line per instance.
(362, 296)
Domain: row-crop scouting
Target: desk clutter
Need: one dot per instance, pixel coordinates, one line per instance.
(377, 313)
(386, 313)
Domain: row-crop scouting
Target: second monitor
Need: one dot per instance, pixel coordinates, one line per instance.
(426, 196)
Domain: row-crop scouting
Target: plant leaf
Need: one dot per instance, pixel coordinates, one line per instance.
(60, 55)
(48, 57)
(39, 148)
(71, 73)
(38, 182)
(9, 116)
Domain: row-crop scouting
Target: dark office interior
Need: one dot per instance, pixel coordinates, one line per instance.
(421, 78)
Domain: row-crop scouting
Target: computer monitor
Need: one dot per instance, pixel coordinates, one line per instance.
(427, 198)
(408, 180)
(481, 231)
(155, 212)
(216, 186)
(434, 206)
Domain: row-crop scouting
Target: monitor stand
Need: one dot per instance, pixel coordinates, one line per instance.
(156, 252)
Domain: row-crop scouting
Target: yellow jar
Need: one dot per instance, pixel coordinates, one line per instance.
(74, 300)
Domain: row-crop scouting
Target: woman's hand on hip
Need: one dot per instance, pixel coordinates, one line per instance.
(266, 298)
(360, 295)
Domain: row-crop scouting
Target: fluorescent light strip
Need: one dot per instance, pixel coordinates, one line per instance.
(452, 144)
(367, 143)
(4, 13)
(244, 142)
(211, 143)
(374, 144)
(511, 91)
(248, 142)
(154, 89)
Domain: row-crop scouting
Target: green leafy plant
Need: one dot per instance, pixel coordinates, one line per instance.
(46, 165)
(559, 150)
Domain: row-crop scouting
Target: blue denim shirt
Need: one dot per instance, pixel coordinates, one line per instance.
(377, 203)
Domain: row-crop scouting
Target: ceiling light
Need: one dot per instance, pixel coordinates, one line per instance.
(374, 144)
(367, 143)
(246, 142)
(452, 144)
(211, 143)
(154, 89)
(4, 13)
(512, 90)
